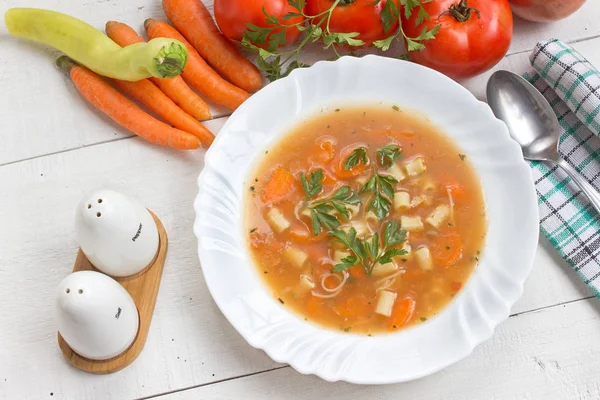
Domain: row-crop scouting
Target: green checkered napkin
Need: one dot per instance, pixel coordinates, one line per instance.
(572, 86)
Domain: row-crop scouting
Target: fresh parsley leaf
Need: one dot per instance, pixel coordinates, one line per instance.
(389, 255)
(409, 6)
(271, 68)
(257, 34)
(346, 263)
(380, 205)
(390, 15)
(269, 19)
(343, 197)
(373, 246)
(369, 252)
(321, 218)
(370, 186)
(297, 4)
(393, 234)
(312, 186)
(276, 40)
(292, 66)
(321, 209)
(383, 188)
(291, 15)
(358, 155)
(388, 154)
(422, 16)
(384, 44)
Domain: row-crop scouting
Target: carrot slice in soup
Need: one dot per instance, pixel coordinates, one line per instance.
(402, 312)
(458, 191)
(357, 273)
(446, 249)
(280, 186)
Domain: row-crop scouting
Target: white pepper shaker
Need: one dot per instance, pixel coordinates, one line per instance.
(117, 233)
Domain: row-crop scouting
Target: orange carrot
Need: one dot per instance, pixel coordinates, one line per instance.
(197, 72)
(280, 185)
(194, 21)
(459, 193)
(175, 88)
(402, 312)
(446, 248)
(304, 236)
(358, 272)
(157, 101)
(124, 112)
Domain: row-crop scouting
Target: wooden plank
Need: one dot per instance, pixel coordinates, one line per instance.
(552, 354)
(43, 113)
(190, 343)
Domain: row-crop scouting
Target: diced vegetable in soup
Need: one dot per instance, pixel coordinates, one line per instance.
(365, 220)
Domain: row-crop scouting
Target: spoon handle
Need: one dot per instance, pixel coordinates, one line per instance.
(585, 186)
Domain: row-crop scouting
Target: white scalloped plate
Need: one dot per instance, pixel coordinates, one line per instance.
(426, 348)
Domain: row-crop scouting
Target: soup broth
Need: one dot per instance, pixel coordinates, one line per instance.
(365, 219)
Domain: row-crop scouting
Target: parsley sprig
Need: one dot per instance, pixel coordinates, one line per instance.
(391, 14)
(369, 253)
(320, 210)
(316, 28)
(312, 186)
(388, 154)
(383, 188)
(359, 155)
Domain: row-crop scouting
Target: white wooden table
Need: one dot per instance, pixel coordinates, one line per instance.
(54, 148)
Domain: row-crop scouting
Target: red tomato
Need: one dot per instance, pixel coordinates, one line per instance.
(470, 40)
(362, 16)
(233, 15)
(545, 10)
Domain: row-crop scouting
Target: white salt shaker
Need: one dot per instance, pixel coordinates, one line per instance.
(117, 233)
(96, 316)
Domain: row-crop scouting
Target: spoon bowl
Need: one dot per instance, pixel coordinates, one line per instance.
(527, 114)
(532, 124)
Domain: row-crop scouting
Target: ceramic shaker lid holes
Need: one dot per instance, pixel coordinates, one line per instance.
(96, 316)
(117, 233)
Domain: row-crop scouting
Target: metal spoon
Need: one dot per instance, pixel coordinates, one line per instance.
(532, 124)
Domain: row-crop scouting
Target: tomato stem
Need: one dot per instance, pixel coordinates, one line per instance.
(461, 11)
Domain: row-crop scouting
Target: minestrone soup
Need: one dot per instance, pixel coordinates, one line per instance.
(365, 219)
